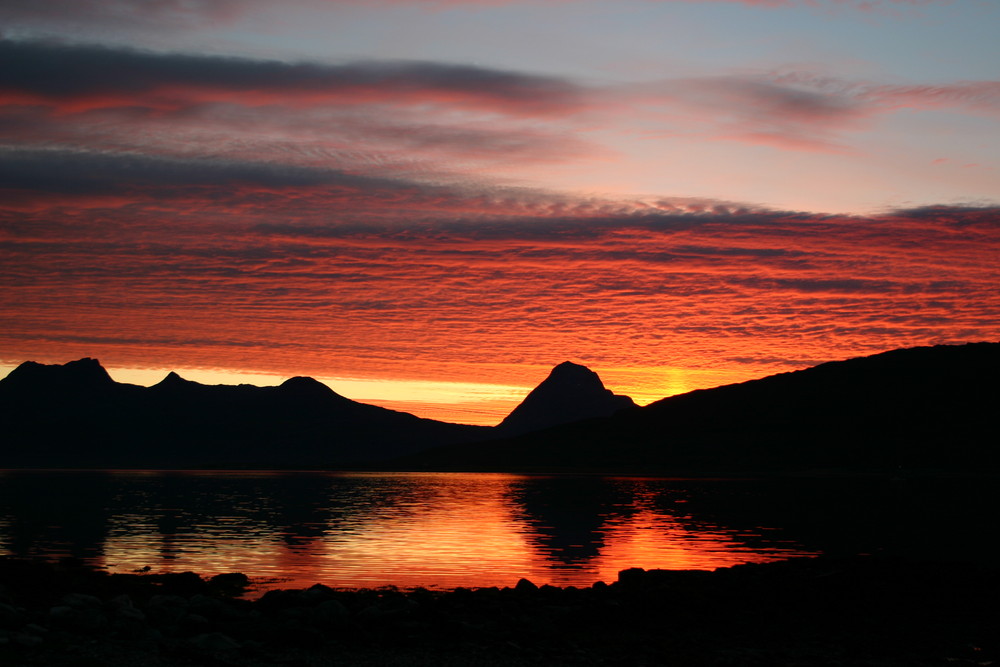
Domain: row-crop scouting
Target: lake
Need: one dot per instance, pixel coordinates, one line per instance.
(293, 529)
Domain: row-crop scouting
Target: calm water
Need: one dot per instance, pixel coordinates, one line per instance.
(448, 530)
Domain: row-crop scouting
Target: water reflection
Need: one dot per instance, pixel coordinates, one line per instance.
(589, 528)
(434, 530)
(568, 516)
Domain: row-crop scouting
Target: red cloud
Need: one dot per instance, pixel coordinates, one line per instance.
(350, 293)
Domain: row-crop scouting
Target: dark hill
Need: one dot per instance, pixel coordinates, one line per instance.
(83, 375)
(926, 408)
(75, 415)
(570, 393)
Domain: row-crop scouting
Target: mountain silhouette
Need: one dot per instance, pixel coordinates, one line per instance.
(570, 393)
(82, 374)
(927, 408)
(75, 415)
(930, 408)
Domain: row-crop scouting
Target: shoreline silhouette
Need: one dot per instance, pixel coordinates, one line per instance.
(859, 610)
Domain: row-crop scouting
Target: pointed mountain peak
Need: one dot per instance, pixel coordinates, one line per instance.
(172, 379)
(570, 392)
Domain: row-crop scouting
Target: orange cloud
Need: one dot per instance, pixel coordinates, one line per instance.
(494, 296)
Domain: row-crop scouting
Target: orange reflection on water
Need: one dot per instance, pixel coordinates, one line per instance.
(433, 530)
(666, 544)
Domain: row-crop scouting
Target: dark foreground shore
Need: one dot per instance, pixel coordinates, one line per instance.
(803, 612)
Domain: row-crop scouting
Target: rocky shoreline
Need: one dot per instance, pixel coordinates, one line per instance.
(803, 612)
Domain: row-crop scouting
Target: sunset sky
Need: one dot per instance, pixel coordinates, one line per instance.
(427, 204)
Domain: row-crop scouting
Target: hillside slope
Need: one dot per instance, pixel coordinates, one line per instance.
(928, 408)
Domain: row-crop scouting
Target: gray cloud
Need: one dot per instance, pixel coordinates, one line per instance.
(66, 71)
(80, 172)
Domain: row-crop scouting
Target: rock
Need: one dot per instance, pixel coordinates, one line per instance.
(279, 599)
(195, 623)
(35, 629)
(330, 613)
(293, 632)
(316, 594)
(163, 609)
(214, 641)
(297, 613)
(550, 590)
(634, 576)
(179, 583)
(10, 616)
(80, 601)
(230, 583)
(130, 623)
(130, 628)
(26, 639)
(122, 607)
(123, 600)
(525, 586)
(388, 609)
(209, 607)
(487, 593)
(77, 619)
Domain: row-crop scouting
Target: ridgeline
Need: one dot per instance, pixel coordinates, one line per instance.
(919, 409)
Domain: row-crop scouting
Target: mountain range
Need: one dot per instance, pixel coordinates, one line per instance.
(75, 415)
(926, 408)
(929, 408)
